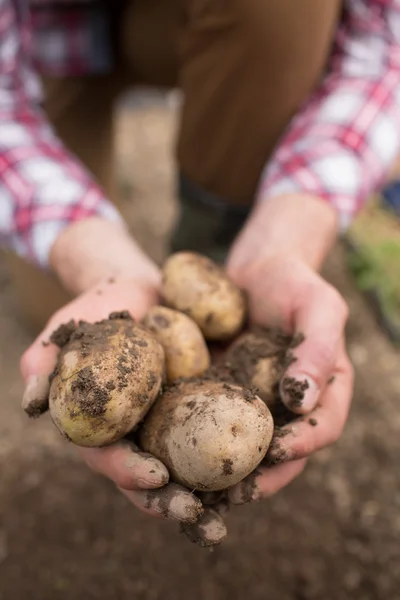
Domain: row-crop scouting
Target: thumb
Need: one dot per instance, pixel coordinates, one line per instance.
(39, 361)
(320, 316)
(36, 366)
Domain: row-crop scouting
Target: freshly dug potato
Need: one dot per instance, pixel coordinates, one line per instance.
(196, 286)
(186, 352)
(210, 435)
(107, 377)
(255, 362)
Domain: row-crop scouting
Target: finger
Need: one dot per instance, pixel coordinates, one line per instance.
(171, 502)
(216, 500)
(321, 318)
(39, 359)
(222, 507)
(36, 365)
(35, 400)
(210, 530)
(320, 428)
(265, 482)
(124, 464)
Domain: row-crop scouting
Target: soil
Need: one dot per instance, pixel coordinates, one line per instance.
(331, 535)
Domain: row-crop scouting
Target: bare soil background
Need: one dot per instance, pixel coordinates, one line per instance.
(332, 535)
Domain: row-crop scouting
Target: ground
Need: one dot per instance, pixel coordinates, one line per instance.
(332, 535)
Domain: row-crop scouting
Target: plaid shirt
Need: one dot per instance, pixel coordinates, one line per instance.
(340, 146)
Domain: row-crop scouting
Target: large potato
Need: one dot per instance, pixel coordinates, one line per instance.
(210, 435)
(196, 286)
(108, 376)
(186, 352)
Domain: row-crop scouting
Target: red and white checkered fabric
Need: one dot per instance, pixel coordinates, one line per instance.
(339, 146)
(342, 143)
(42, 186)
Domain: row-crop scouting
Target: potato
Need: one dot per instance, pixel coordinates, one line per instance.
(196, 286)
(186, 352)
(107, 377)
(266, 375)
(256, 362)
(210, 435)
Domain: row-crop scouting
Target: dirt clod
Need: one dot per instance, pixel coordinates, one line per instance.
(91, 398)
(62, 335)
(123, 314)
(227, 466)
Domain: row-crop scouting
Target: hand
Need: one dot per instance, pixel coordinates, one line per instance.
(278, 271)
(119, 285)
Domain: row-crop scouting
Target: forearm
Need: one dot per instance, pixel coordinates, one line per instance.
(94, 250)
(297, 225)
(340, 147)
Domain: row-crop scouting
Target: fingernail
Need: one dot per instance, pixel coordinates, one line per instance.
(146, 484)
(35, 400)
(210, 530)
(299, 393)
(172, 502)
(246, 491)
(153, 474)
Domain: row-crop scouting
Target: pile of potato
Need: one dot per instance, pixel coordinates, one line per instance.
(206, 422)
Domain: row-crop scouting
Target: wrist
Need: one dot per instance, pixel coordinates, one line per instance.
(94, 250)
(294, 226)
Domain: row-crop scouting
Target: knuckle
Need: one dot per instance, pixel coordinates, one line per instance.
(335, 433)
(336, 300)
(337, 426)
(123, 480)
(26, 362)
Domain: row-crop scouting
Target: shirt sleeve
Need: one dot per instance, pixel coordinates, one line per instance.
(43, 187)
(343, 142)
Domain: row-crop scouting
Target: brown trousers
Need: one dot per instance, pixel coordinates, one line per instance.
(244, 67)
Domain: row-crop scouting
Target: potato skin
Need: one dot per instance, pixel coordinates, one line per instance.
(256, 363)
(107, 378)
(186, 352)
(265, 376)
(195, 285)
(210, 435)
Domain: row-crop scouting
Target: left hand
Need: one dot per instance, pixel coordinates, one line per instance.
(286, 292)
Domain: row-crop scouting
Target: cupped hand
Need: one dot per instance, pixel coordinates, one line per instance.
(286, 293)
(143, 479)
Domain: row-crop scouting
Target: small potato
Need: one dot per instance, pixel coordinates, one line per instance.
(255, 362)
(210, 435)
(107, 377)
(196, 286)
(265, 376)
(186, 352)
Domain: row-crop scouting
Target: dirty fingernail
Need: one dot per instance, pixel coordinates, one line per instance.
(147, 484)
(299, 393)
(150, 472)
(210, 530)
(35, 400)
(172, 502)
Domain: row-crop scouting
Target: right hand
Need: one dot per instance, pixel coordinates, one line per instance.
(142, 478)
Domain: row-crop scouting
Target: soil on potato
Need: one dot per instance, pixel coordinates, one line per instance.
(332, 535)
